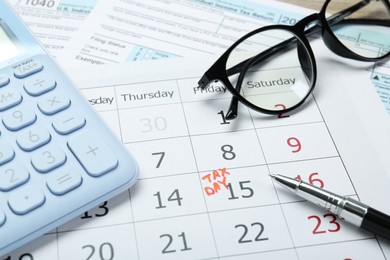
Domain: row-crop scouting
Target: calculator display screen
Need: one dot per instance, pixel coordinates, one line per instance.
(8, 48)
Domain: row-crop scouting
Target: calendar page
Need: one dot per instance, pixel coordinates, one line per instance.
(204, 191)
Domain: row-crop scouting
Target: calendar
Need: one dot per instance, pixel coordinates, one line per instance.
(204, 191)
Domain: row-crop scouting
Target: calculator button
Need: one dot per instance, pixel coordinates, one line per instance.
(12, 176)
(19, 118)
(4, 80)
(28, 69)
(39, 84)
(93, 154)
(6, 153)
(9, 97)
(33, 138)
(63, 181)
(68, 122)
(53, 102)
(26, 200)
(2, 217)
(48, 158)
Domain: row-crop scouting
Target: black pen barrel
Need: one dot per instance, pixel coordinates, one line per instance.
(377, 223)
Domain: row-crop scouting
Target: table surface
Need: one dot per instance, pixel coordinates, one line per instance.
(373, 10)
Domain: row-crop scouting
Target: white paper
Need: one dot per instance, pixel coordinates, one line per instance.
(53, 22)
(123, 30)
(179, 142)
(184, 148)
(380, 76)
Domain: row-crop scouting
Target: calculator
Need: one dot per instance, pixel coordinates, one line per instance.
(57, 157)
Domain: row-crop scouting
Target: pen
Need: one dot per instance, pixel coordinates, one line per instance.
(346, 208)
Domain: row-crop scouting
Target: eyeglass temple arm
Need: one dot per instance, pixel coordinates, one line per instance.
(242, 67)
(336, 18)
(331, 20)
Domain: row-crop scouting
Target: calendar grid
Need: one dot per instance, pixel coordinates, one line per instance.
(133, 224)
(116, 109)
(128, 191)
(207, 211)
(334, 143)
(171, 212)
(197, 169)
(284, 215)
(280, 203)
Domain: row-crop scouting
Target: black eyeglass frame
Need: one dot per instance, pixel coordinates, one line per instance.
(218, 71)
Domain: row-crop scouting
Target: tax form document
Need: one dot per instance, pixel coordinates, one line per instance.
(53, 22)
(123, 31)
(380, 76)
(204, 190)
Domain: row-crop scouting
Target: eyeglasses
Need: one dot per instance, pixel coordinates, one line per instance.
(272, 69)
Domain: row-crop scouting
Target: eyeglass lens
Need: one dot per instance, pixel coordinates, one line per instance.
(366, 31)
(272, 80)
(275, 78)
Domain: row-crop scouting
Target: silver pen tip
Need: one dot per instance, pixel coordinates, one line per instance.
(273, 176)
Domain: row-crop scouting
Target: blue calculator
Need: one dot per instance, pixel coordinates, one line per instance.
(57, 157)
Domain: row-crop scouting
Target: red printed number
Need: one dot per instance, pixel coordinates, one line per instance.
(294, 143)
(320, 230)
(283, 107)
(313, 179)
